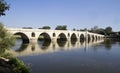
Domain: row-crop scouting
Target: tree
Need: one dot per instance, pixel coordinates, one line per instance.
(74, 29)
(85, 29)
(46, 27)
(6, 39)
(64, 27)
(95, 29)
(101, 31)
(3, 7)
(108, 30)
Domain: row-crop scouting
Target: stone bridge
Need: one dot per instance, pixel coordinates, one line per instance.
(32, 35)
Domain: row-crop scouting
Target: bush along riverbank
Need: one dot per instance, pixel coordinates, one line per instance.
(9, 64)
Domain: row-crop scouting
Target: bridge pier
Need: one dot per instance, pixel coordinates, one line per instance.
(69, 39)
(86, 36)
(32, 40)
(78, 39)
(53, 40)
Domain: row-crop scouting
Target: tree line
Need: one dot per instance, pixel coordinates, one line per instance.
(107, 31)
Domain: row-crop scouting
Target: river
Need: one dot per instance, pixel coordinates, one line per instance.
(70, 57)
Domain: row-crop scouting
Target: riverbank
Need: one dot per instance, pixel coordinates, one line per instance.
(12, 65)
(5, 67)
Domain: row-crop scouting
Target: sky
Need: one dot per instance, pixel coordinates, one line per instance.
(78, 14)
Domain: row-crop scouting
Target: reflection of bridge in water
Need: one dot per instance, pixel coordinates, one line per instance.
(50, 47)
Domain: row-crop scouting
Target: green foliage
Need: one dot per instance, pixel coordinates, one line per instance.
(6, 39)
(95, 29)
(18, 66)
(102, 31)
(3, 7)
(46, 27)
(74, 29)
(6, 42)
(99, 31)
(64, 27)
(108, 30)
(6, 55)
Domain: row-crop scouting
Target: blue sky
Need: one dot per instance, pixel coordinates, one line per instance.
(77, 14)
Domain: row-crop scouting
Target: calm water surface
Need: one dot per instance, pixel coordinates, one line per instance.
(70, 57)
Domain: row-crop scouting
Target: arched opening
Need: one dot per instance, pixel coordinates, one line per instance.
(82, 38)
(73, 37)
(61, 40)
(68, 34)
(61, 37)
(54, 34)
(89, 38)
(33, 34)
(93, 38)
(78, 34)
(101, 37)
(44, 37)
(96, 38)
(44, 40)
(22, 36)
(21, 42)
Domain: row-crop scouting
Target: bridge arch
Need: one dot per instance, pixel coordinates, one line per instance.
(68, 34)
(32, 34)
(73, 37)
(96, 38)
(89, 37)
(24, 37)
(93, 38)
(54, 35)
(44, 36)
(62, 37)
(82, 38)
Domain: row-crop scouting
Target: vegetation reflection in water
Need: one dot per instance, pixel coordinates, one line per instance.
(48, 47)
